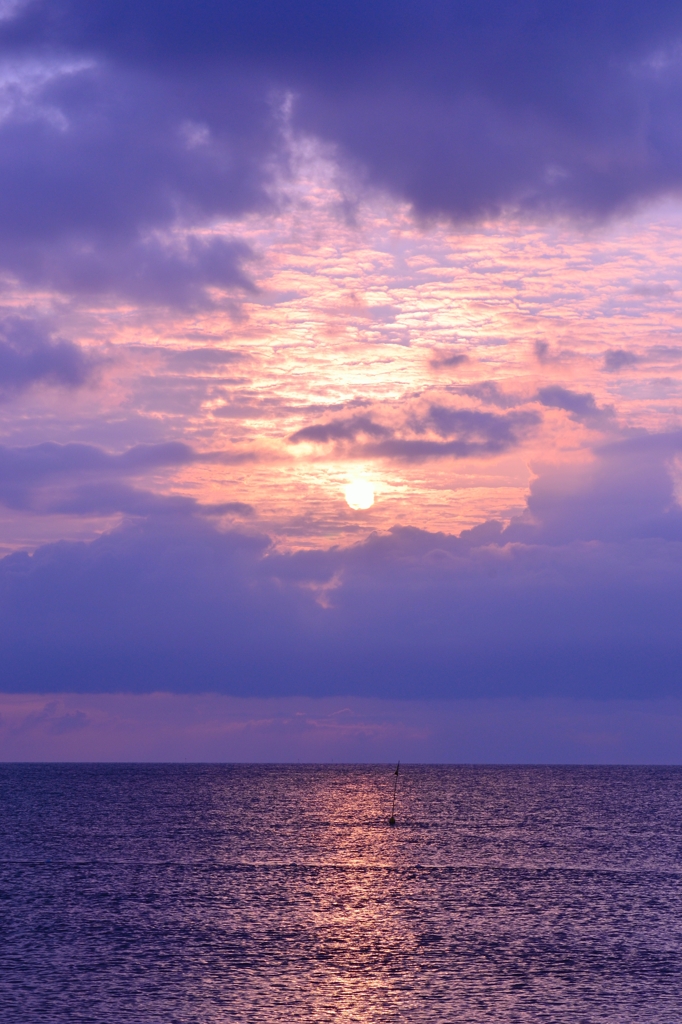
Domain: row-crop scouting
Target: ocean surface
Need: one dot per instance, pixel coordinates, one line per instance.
(157, 894)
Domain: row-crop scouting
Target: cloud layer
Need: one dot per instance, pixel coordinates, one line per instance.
(82, 479)
(30, 355)
(121, 120)
(578, 597)
(468, 432)
(180, 727)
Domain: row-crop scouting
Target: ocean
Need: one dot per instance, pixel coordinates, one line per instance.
(169, 894)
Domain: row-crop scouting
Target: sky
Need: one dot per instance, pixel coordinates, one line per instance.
(252, 253)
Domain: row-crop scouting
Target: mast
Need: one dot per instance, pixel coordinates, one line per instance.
(391, 820)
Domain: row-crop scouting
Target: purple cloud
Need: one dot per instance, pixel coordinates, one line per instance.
(88, 210)
(215, 727)
(128, 132)
(414, 614)
(47, 478)
(203, 358)
(29, 354)
(148, 116)
(581, 407)
(48, 460)
(474, 433)
(483, 426)
(104, 499)
(581, 598)
(618, 359)
(626, 494)
(442, 360)
(339, 430)
(489, 393)
(149, 271)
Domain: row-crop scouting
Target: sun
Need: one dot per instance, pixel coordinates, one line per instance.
(359, 494)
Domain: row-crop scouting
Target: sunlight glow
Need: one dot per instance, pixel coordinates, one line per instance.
(359, 494)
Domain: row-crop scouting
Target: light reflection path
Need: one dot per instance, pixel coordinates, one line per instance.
(271, 894)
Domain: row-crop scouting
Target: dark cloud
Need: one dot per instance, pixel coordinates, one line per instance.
(30, 354)
(443, 360)
(489, 393)
(660, 445)
(200, 358)
(149, 271)
(664, 353)
(470, 109)
(581, 407)
(418, 450)
(129, 119)
(472, 433)
(339, 430)
(110, 498)
(582, 600)
(546, 356)
(38, 462)
(98, 162)
(47, 477)
(483, 426)
(625, 494)
(221, 508)
(616, 359)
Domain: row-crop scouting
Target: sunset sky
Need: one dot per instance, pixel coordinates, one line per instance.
(254, 252)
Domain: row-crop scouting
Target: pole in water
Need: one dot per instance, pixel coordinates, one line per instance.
(391, 820)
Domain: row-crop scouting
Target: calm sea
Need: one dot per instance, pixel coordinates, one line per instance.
(169, 893)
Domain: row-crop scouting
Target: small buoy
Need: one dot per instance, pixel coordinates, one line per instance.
(391, 820)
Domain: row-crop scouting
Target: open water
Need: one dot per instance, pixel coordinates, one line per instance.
(155, 894)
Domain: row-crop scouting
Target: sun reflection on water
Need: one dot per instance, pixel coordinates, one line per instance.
(261, 893)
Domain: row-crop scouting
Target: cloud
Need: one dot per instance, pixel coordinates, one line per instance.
(47, 478)
(106, 499)
(625, 494)
(200, 358)
(580, 597)
(618, 359)
(122, 123)
(662, 444)
(101, 174)
(486, 426)
(34, 463)
(473, 433)
(442, 359)
(581, 407)
(546, 357)
(153, 271)
(489, 393)
(187, 608)
(664, 353)
(468, 110)
(339, 430)
(29, 354)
